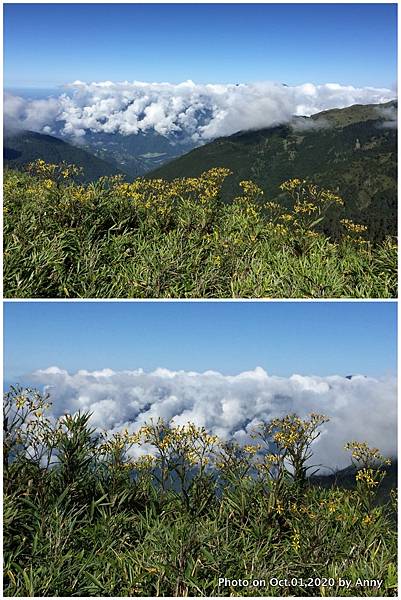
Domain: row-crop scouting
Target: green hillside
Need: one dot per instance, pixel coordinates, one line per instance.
(28, 146)
(352, 151)
(357, 113)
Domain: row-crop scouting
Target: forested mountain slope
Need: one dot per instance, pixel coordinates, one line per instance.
(352, 151)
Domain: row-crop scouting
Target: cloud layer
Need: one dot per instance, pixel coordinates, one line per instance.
(360, 408)
(201, 112)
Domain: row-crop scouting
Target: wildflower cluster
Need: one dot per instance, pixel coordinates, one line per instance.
(354, 233)
(353, 227)
(301, 190)
(115, 449)
(26, 427)
(275, 211)
(365, 456)
(367, 476)
(293, 438)
(296, 541)
(82, 193)
(157, 199)
(53, 173)
(370, 466)
(271, 467)
(251, 191)
(368, 520)
(305, 208)
(234, 462)
(334, 503)
(310, 203)
(144, 463)
(278, 230)
(181, 454)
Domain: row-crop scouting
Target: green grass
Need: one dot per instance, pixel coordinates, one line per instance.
(84, 518)
(178, 240)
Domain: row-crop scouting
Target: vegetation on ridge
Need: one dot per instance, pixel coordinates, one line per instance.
(23, 147)
(154, 238)
(351, 150)
(169, 510)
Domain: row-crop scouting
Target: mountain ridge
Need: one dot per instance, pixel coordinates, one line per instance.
(355, 155)
(24, 147)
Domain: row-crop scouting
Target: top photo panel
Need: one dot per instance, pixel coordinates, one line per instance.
(200, 151)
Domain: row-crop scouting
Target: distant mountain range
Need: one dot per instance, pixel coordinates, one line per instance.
(351, 150)
(27, 146)
(98, 153)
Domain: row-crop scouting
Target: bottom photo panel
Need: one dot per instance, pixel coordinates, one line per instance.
(185, 448)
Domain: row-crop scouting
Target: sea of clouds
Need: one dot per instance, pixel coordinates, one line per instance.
(198, 111)
(230, 406)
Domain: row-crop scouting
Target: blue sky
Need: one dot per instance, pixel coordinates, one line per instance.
(47, 45)
(284, 338)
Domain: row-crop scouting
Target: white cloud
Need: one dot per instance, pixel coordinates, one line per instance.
(36, 115)
(390, 116)
(200, 111)
(360, 408)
